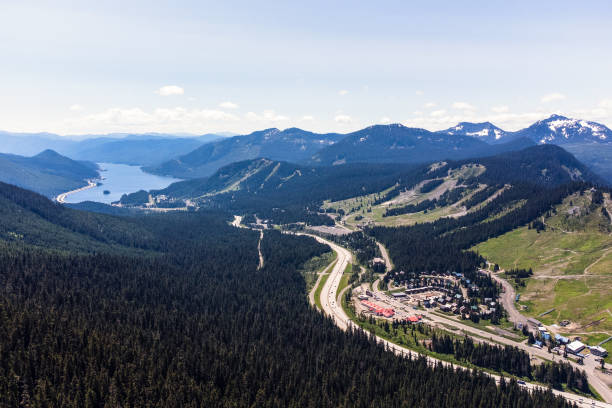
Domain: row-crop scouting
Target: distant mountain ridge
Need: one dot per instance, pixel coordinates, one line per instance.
(135, 149)
(47, 173)
(396, 143)
(485, 131)
(560, 130)
(291, 144)
(555, 129)
(392, 143)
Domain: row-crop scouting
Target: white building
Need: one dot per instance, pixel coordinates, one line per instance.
(575, 347)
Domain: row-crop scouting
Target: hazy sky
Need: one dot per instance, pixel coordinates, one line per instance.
(196, 66)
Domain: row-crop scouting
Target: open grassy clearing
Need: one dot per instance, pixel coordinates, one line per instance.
(572, 264)
(311, 269)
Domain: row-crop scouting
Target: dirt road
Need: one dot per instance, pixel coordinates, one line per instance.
(385, 256)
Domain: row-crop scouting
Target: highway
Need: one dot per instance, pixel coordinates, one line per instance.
(329, 301)
(62, 197)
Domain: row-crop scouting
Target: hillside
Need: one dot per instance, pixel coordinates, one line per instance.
(47, 173)
(291, 144)
(570, 255)
(463, 186)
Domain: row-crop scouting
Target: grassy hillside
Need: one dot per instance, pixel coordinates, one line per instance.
(571, 261)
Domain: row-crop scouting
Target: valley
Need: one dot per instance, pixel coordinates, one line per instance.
(305, 204)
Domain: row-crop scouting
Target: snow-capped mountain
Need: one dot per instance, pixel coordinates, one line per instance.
(559, 130)
(485, 131)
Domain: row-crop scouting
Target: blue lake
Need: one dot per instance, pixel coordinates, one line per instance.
(120, 179)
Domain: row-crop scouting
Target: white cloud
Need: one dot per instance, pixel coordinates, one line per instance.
(228, 105)
(169, 90)
(307, 118)
(508, 121)
(76, 107)
(430, 105)
(268, 115)
(500, 109)
(176, 119)
(384, 120)
(463, 106)
(343, 119)
(555, 96)
(606, 103)
(419, 93)
(343, 92)
(417, 113)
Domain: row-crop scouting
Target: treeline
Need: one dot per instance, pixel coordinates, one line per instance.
(431, 185)
(511, 360)
(480, 196)
(560, 374)
(449, 197)
(364, 247)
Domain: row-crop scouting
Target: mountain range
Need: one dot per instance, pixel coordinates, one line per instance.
(134, 149)
(257, 181)
(556, 129)
(393, 143)
(195, 157)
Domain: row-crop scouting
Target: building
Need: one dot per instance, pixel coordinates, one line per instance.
(599, 351)
(575, 347)
(399, 295)
(561, 339)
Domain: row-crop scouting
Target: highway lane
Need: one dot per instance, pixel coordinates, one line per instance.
(329, 301)
(61, 198)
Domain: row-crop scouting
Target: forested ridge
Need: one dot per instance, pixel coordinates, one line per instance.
(192, 322)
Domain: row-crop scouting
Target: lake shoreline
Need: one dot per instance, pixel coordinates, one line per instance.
(117, 179)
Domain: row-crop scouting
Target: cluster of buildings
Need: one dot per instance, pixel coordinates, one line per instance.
(575, 347)
(378, 310)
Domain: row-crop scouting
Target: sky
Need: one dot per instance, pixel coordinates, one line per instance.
(80, 67)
